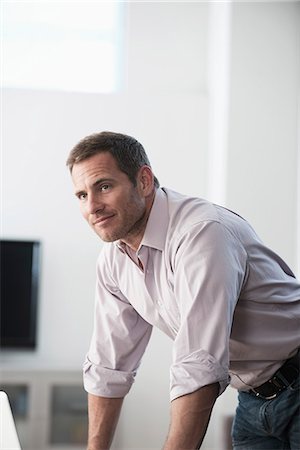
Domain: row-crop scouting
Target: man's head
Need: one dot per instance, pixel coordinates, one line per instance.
(129, 154)
(114, 184)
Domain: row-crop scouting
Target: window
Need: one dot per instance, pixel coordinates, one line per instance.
(70, 46)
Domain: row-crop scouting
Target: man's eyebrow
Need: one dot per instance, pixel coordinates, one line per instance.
(101, 181)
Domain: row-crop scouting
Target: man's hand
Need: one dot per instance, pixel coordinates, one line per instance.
(103, 418)
(190, 415)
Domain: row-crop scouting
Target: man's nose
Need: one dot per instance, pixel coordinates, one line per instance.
(94, 204)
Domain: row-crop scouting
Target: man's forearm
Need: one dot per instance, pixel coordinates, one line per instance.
(190, 415)
(103, 418)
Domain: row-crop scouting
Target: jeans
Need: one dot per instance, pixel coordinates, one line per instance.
(268, 424)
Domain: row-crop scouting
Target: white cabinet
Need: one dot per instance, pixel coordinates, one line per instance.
(49, 408)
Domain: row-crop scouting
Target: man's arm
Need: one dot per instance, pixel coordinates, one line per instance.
(103, 418)
(190, 415)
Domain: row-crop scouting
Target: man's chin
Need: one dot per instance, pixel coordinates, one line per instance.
(106, 237)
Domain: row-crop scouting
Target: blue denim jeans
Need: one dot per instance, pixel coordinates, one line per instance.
(268, 424)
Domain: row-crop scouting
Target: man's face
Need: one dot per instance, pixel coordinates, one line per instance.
(110, 203)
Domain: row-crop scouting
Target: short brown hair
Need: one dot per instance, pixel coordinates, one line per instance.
(127, 151)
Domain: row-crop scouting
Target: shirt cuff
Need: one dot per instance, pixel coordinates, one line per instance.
(196, 370)
(105, 382)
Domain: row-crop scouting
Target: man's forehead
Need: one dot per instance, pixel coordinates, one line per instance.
(94, 164)
(91, 171)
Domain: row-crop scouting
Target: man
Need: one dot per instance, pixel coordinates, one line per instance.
(199, 273)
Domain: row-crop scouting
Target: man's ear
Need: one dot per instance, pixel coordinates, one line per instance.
(145, 180)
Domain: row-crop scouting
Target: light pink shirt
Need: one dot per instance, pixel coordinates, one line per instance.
(202, 276)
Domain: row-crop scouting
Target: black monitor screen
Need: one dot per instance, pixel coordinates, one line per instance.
(19, 293)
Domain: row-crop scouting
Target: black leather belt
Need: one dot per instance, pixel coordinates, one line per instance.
(283, 378)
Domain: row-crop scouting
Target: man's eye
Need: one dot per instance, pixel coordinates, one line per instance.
(82, 196)
(104, 187)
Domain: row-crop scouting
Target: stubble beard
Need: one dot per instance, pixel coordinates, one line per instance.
(131, 225)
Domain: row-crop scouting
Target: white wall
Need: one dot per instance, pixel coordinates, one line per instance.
(264, 115)
(164, 104)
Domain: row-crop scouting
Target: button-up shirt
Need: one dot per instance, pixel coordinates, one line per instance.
(202, 276)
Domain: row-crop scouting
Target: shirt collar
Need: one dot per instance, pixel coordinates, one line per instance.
(157, 224)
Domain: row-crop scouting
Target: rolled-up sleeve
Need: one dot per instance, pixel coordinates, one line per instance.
(106, 382)
(118, 342)
(208, 276)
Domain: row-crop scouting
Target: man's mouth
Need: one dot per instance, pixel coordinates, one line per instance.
(102, 220)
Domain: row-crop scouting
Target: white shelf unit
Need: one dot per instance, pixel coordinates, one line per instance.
(49, 407)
